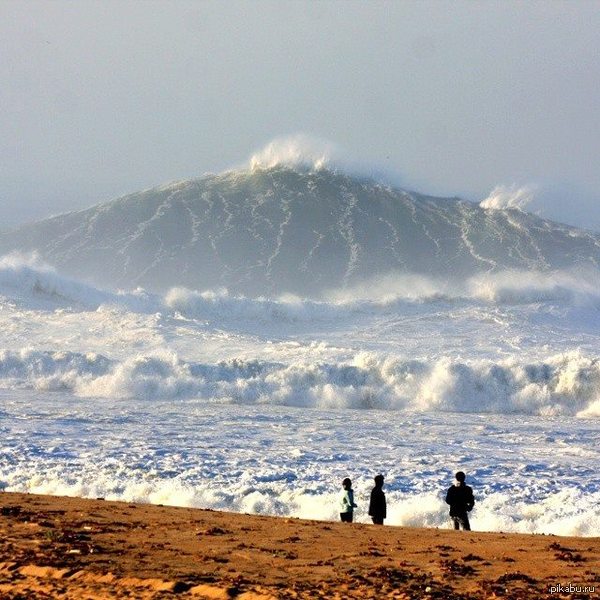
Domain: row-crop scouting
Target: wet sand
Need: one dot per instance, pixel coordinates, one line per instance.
(70, 548)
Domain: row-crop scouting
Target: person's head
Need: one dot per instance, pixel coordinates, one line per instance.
(379, 480)
(347, 484)
(460, 477)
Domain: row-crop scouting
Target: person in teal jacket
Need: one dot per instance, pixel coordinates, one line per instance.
(347, 505)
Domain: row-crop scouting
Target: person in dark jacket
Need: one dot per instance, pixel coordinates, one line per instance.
(461, 501)
(377, 506)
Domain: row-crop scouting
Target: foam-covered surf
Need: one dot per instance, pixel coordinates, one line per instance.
(289, 462)
(212, 399)
(566, 384)
(30, 282)
(405, 344)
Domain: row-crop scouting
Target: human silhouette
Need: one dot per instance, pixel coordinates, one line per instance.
(377, 506)
(347, 505)
(461, 501)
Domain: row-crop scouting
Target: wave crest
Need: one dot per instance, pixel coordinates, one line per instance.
(35, 284)
(298, 151)
(504, 197)
(563, 384)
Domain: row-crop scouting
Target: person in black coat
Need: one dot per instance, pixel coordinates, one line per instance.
(461, 501)
(377, 506)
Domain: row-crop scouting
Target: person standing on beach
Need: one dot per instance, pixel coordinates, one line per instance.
(461, 501)
(377, 506)
(347, 505)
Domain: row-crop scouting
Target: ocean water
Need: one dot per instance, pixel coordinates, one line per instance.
(210, 400)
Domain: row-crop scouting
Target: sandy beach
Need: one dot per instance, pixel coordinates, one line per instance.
(71, 548)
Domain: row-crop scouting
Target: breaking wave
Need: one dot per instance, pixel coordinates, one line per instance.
(26, 277)
(506, 287)
(219, 304)
(509, 197)
(564, 384)
(298, 151)
(30, 282)
(303, 152)
(530, 287)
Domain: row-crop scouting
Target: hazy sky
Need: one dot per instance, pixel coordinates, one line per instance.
(98, 99)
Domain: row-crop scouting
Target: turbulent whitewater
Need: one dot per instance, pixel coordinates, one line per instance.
(275, 229)
(216, 400)
(297, 326)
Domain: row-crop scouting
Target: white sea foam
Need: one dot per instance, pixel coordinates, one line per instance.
(530, 475)
(28, 277)
(302, 371)
(566, 512)
(219, 304)
(32, 282)
(568, 287)
(526, 287)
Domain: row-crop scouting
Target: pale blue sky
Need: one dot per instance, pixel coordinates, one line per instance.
(98, 99)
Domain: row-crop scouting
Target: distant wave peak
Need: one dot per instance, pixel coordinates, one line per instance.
(504, 197)
(299, 151)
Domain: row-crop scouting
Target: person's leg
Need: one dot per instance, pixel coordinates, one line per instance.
(462, 522)
(377, 521)
(346, 517)
(466, 524)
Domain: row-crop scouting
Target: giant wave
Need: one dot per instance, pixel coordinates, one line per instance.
(294, 228)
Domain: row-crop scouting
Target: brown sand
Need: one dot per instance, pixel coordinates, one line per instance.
(57, 547)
